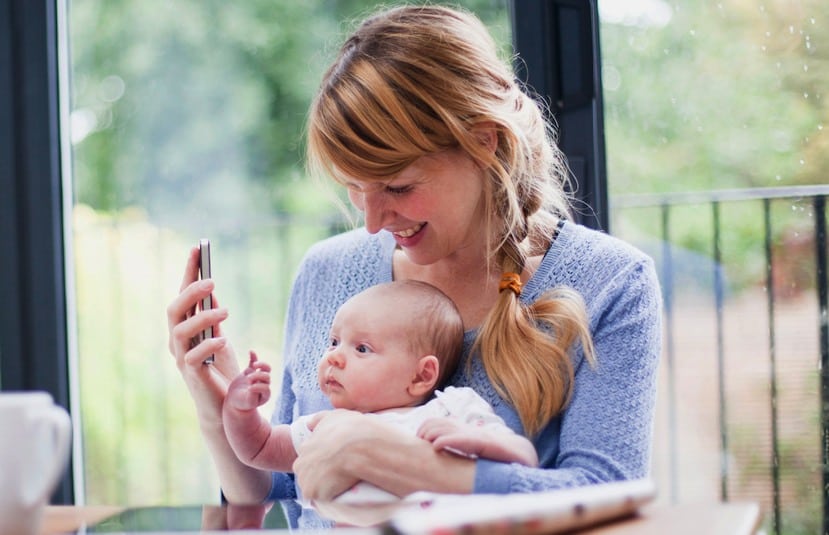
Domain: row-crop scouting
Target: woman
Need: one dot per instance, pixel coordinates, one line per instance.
(461, 185)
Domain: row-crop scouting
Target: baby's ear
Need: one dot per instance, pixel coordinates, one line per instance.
(426, 377)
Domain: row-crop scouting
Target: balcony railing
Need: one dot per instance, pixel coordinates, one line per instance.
(779, 457)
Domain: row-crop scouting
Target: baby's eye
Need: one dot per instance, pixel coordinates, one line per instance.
(362, 348)
(333, 342)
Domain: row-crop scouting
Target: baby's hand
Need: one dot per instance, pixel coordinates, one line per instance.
(251, 388)
(452, 435)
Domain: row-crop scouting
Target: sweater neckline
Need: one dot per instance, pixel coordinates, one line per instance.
(530, 292)
(545, 267)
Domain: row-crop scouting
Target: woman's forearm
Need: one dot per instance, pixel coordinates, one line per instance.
(347, 447)
(240, 483)
(404, 464)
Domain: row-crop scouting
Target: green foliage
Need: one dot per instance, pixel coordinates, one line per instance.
(195, 109)
(721, 97)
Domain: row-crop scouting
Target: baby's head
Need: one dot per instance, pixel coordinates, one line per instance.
(391, 346)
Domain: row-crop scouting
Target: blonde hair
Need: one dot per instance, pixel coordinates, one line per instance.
(417, 80)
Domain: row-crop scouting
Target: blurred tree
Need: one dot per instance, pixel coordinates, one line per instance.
(195, 110)
(715, 95)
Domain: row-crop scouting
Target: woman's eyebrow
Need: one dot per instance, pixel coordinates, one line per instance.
(368, 187)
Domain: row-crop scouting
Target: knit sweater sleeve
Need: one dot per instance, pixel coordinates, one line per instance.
(605, 433)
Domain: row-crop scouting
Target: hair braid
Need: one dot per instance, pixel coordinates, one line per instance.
(524, 349)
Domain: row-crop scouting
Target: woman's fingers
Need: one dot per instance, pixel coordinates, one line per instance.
(186, 321)
(191, 291)
(183, 307)
(199, 352)
(217, 329)
(186, 334)
(185, 304)
(321, 467)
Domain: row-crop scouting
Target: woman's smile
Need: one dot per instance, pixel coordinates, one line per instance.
(409, 237)
(409, 232)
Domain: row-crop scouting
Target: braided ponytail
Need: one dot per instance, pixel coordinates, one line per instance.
(525, 349)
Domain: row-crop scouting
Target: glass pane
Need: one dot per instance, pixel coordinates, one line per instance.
(726, 97)
(186, 122)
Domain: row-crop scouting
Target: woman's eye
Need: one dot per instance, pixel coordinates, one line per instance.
(398, 190)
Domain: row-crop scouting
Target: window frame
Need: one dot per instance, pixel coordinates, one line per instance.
(33, 319)
(558, 41)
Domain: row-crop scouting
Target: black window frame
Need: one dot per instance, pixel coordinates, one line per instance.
(33, 315)
(556, 39)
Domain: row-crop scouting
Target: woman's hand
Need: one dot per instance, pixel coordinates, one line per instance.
(319, 478)
(347, 447)
(207, 383)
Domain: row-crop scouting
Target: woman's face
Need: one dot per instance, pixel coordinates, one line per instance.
(434, 208)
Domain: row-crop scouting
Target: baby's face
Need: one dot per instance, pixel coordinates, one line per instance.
(369, 365)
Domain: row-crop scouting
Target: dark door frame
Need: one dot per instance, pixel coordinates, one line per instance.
(33, 317)
(557, 42)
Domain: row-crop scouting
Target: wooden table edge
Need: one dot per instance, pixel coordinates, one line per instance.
(71, 518)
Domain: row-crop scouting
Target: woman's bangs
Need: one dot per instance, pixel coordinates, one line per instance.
(374, 125)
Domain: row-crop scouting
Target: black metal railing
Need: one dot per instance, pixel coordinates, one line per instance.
(811, 197)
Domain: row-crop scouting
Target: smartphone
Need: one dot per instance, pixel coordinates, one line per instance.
(207, 302)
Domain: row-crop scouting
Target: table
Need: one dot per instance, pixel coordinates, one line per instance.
(733, 518)
(70, 518)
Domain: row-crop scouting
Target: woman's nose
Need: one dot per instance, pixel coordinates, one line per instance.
(374, 208)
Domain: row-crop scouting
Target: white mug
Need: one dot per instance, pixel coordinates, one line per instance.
(34, 450)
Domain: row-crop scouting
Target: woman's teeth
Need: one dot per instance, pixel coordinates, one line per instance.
(408, 233)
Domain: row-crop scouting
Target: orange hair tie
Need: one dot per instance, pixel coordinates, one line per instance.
(510, 281)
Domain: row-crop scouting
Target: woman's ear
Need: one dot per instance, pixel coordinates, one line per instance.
(426, 378)
(487, 134)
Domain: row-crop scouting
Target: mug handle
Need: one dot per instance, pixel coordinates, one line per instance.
(51, 452)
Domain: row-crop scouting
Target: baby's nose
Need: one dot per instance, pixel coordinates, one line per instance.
(335, 358)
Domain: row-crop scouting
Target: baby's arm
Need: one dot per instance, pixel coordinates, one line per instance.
(496, 444)
(254, 440)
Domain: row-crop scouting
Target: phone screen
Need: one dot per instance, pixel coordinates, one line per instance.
(204, 273)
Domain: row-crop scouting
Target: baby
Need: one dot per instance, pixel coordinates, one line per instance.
(390, 347)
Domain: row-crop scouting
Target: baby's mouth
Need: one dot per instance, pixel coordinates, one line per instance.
(330, 382)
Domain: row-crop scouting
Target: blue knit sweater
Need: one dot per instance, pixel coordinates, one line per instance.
(604, 434)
